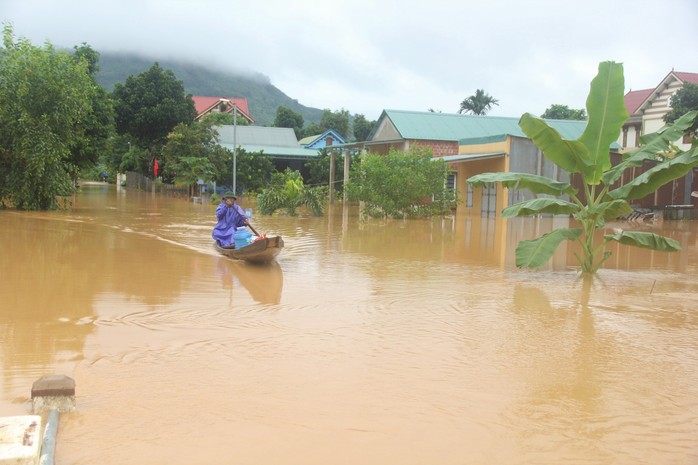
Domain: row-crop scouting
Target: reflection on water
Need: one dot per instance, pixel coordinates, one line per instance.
(365, 342)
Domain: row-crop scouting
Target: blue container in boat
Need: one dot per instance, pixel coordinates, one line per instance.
(242, 238)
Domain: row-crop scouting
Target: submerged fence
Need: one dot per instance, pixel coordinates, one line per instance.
(137, 181)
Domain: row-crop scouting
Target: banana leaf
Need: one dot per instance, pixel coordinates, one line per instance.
(653, 143)
(541, 206)
(607, 113)
(612, 209)
(654, 178)
(645, 240)
(570, 155)
(534, 183)
(535, 253)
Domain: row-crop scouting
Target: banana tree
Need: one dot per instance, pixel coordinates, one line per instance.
(588, 156)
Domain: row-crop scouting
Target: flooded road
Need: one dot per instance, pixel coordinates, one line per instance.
(366, 342)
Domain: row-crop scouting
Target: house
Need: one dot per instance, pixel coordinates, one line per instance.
(471, 144)
(207, 105)
(323, 140)
(478, 144)
(280, 144)
(647, 108)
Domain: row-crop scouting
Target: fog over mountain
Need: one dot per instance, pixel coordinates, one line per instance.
(365, 56)
(263, 98)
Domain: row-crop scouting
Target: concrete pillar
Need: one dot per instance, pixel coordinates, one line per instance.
(331, 176)
(54, 394)
(347, 159)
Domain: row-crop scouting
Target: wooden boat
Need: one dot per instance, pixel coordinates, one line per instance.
(260, 251)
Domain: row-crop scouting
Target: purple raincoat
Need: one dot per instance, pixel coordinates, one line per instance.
(229, 219)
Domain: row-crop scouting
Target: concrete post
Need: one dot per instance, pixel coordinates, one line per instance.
(55, 393)
(347, 157)
(331, 176)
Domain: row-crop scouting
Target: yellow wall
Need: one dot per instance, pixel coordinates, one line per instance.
(466, 169)
(484, 148)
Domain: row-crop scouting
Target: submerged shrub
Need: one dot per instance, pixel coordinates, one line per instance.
(401, 184)
(288, 192)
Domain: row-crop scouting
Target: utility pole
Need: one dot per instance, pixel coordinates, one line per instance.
(235, 147)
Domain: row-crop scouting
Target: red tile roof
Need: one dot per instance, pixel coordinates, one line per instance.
(635, 98)
(687, 77)
(204, 104)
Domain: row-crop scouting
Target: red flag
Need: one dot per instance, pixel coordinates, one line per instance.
(155, 168)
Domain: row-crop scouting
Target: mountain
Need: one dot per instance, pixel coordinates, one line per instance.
(262, 97)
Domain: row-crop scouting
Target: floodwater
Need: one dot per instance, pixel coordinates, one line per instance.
(366, 342)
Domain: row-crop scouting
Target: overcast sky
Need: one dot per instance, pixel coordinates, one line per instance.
(368, 55)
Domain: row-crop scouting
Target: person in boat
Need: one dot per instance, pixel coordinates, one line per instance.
(230, 217)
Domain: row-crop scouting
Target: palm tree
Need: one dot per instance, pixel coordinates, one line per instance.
(478, 104)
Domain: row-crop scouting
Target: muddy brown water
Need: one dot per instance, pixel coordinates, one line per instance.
(366, 342)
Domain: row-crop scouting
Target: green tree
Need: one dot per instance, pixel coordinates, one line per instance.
(556, 111)
(45, 95)
(478, 104)
(601, 200)
(287, 118)
(126, 156)
(150, 105)
(98, 124)
(318, 168)
(361, 127)
(683, 101)
(401, 184)
(117, 153)
(338, 121)
(312, 129)
(192, 153)
(254, 170)
(91, 57)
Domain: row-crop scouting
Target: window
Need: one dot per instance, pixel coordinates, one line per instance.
(451, 181)
(489, 200)
(450, 186)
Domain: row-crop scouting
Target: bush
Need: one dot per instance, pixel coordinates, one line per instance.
(288, 192)
(401, 184)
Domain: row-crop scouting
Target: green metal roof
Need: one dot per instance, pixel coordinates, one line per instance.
(275, 151)
(457, 127)
(275, 142)
(257, 135)
(484, 140)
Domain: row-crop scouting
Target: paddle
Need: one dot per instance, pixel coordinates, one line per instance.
(253, 230)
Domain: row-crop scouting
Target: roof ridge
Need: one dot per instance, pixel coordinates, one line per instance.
(459, 115)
